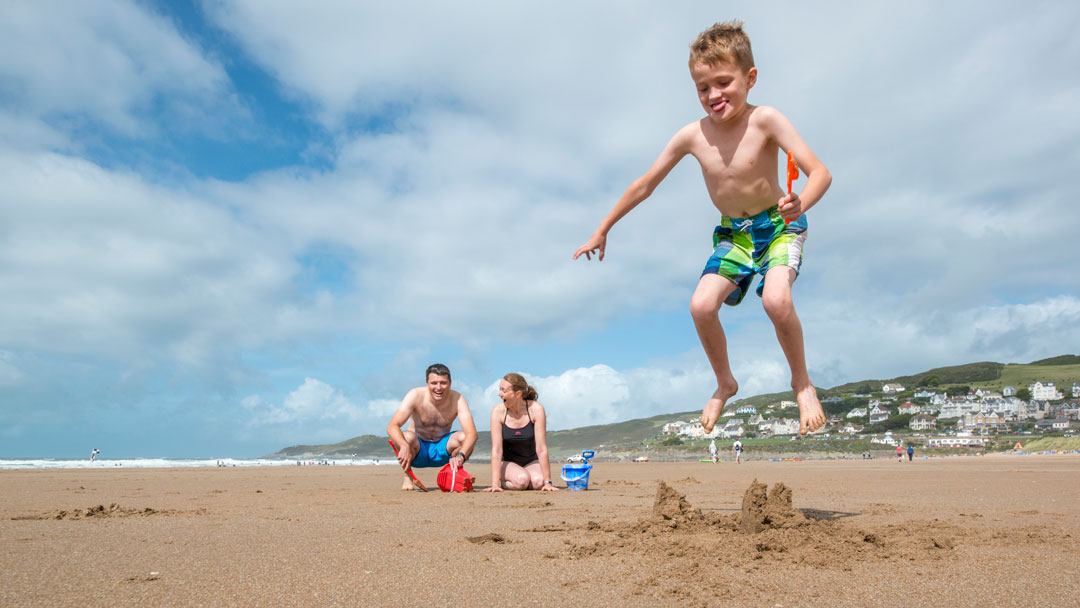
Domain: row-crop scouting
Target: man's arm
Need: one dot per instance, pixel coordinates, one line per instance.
(393, 428)
(780, 129)
(639, 190)
(467, 426)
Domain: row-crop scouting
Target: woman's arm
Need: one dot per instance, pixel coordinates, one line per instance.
(540, 433)
(496, 450)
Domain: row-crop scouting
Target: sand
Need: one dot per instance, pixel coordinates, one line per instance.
(990, 531)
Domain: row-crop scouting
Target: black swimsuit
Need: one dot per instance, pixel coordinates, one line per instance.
(519, 445)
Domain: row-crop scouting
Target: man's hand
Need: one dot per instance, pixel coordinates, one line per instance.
(790, 207)
(594, 246)
(404, 456)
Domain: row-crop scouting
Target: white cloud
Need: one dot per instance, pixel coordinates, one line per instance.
(109, 61)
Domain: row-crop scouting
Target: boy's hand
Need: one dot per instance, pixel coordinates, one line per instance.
(595, 245)
(790, 207)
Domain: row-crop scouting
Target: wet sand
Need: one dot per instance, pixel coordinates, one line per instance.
(990, 531)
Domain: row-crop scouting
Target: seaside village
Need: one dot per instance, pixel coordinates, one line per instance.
(954, 418)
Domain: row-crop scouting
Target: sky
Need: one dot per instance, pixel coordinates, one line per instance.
(231, 226)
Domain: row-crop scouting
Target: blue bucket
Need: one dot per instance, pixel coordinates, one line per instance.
(576, 476)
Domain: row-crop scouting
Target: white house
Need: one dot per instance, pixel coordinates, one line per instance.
(1060, 424)
(879, 414)
(982, 421)
(851, 429)
(1008, 391)
(696, 431)
(857, 412)
(755, 420)
(780, 426)
(732, 432)
(924, 394)
(1045, 392)
(908, 407)
(1075, 390)
(675, 427)
(891, 388)
(922, 422)
(746, 409)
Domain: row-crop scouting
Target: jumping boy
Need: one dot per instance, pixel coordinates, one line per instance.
(761, 230)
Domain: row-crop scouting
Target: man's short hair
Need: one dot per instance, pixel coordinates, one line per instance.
(439, 370)
(723, 42)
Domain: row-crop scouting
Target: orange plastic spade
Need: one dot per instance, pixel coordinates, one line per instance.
(416, 482)
(792, 175)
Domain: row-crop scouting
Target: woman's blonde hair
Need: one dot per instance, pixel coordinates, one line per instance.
(723, 42)
(518, 383)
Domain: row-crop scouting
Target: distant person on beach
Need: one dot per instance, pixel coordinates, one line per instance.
(432, 409)
(93, 454)
(910, 452)
(762, 229)
(737, 448)
(712, 450)
(899, 453)
(519, 453)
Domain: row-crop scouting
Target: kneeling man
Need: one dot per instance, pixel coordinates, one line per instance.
(432, 408)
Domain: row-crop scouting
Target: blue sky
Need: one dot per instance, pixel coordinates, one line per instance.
(233, 226)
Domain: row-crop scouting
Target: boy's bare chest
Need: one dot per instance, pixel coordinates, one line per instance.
(748, 157)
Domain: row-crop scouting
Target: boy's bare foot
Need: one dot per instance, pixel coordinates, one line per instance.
(715, 405)
(811, 416)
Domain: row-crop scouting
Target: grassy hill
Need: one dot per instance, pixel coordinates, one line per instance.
(1063, 370)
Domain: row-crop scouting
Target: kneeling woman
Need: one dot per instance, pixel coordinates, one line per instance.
(519, 459)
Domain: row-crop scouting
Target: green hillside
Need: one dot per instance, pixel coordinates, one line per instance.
(1062, 370)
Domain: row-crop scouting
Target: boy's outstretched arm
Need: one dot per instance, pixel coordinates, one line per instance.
(639, 190)
(818, 177)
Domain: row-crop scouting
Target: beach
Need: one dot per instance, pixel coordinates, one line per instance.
(971, 531)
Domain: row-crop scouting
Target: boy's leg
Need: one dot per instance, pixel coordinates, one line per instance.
(711, 291)
(776, 297)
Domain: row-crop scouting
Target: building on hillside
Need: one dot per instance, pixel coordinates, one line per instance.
(922, 422)
(1076, 390)
(675, 427)
(908, 407)
(747, 410)
(892, 388)
(787, 404)
(694, 430)
(879, 414)
(856, 412)
(1041, 391)
(923, 393)
(850, 429)
(886, 439)
(1061, 424)
(982, 422)
(956, 442)
(1008, 391)
(779, 426)
(755, 420)
(732, 430)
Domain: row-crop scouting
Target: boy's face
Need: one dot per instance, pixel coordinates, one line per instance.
(722, 88)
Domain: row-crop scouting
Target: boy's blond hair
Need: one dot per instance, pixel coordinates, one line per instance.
(723, 42)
